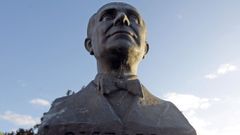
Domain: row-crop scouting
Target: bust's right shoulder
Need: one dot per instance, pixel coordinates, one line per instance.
(64, 107)
(82, 94)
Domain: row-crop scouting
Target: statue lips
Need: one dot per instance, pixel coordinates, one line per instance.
(122, 33)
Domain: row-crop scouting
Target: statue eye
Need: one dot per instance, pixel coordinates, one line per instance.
(134, 18)
(108, 16)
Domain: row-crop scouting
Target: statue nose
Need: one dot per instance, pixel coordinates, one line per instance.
(121, 19)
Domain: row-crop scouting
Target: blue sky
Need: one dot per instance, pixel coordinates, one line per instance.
(193, 60)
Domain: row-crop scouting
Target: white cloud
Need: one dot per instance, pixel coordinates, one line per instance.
(224, 122)
(211, 76)
(216, 99)
(230, 130)
(225, 68)
(19, 119)
(187, 102)
(222, 69)
(190, 105)
(40, 102)
(202, 127)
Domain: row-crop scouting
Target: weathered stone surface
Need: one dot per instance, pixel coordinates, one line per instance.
(89, 111)
(115, 102)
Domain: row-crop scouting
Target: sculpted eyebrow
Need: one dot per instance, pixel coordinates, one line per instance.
(107, 11)
(132, 12)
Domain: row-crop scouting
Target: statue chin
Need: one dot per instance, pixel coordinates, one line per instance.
(118, 48)
(120, 41)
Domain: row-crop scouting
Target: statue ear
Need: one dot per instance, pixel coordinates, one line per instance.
(88, 46)
(146, 49)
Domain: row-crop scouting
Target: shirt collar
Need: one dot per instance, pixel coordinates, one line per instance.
(107, 83)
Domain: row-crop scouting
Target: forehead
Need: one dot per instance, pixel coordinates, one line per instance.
(118, 7)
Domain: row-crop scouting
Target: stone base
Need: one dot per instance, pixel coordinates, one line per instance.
(86, 129)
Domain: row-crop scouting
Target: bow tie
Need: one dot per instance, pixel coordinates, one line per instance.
(107, 84)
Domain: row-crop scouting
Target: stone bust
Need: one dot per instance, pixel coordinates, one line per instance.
(115, 102)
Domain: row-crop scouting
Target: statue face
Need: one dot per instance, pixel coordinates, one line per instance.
(118, 28)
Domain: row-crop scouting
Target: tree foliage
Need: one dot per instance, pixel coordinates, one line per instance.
(21, 131)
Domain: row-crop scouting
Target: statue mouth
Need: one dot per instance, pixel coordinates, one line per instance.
(121, 32)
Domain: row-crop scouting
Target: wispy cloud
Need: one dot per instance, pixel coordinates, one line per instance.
(230, 130)
(190, 105)
(40, 102)
(222, 69)
(193, 106)
(204, 127)
(19, 119)
(225, 68)
(211, 76)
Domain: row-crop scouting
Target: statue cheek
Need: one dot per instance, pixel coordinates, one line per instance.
(106, 26)
(142, 34)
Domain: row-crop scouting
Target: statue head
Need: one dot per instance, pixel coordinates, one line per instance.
(117, 34)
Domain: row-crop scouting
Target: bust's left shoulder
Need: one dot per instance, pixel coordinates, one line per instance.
(166, 114)
(150, 99)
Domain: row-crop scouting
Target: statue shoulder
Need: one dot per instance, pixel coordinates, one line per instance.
(64, 106)
(85, 92)
(149, 98)
(168, 114)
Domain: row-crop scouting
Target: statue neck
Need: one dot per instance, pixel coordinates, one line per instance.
(117, 67)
